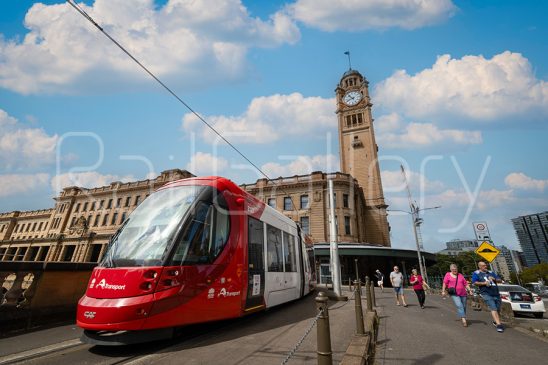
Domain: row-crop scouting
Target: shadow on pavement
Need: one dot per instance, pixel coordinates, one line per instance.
(206, 334)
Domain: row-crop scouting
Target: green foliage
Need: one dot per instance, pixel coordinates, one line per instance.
(466, 261)
(535, 273)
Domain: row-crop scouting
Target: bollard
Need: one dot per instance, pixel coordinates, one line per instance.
(368, 294)
(373, 298)
(360, 330)
(323, 334)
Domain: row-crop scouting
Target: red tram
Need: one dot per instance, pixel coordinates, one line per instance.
(196, 250)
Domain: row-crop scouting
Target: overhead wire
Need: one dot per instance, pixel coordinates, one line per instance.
(151, 74)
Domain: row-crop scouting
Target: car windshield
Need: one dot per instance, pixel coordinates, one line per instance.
(513, 288)
(143, 239)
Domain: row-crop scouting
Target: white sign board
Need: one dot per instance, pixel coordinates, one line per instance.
(256, 285)
(481, 231)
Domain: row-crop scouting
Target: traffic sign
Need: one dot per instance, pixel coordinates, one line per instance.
(487, 251)
(481, 231)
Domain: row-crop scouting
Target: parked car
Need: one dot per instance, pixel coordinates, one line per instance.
(537, 288)
(522, 300)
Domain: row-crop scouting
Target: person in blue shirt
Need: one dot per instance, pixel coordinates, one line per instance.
(487, 281)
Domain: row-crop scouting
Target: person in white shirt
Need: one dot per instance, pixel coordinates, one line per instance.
(396, 278)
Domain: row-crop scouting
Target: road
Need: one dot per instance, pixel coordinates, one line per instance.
(434, 335)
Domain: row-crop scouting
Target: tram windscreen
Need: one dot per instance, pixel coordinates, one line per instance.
(143, 239)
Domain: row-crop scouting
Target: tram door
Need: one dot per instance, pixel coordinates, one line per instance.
(255, 268)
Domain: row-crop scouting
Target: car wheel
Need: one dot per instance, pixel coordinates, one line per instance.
(538, 315)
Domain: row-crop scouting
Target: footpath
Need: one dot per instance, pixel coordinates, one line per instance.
(435, 335)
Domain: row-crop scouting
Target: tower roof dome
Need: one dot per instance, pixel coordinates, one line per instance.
(351, 72)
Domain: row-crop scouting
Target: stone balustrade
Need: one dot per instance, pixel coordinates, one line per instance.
(35, 293)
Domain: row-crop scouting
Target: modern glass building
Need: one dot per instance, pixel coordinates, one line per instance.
(532, 233)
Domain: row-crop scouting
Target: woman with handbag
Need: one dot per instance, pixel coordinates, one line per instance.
(457, 288)
(418, 286)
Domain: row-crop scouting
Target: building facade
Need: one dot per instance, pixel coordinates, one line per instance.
(457, 246)
(500, 266)
(309, 195)
(532, 233)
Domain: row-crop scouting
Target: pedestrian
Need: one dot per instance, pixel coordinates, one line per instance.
(418, 286)
(457, 288)
(487, 281)
(380, 279)
(396, 278)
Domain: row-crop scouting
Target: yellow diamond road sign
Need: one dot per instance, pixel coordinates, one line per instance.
(487, 251)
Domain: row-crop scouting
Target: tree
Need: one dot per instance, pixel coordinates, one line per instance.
(534, 273)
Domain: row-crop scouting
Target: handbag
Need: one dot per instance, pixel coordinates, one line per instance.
(453, 290)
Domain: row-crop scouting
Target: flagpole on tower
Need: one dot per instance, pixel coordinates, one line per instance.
(349, 64)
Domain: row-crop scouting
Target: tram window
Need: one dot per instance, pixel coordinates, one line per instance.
(290, 258)
(274, 249)
(204, 236)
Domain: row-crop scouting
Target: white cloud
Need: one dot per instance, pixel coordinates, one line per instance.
(89, 179)
(204, 164)
(421, 135)
(22, 147)
(269, 118)
(302, 165)
(473, 87)
(191, 41)
(392, 181)
(22, 184)
(518, 180)
(486, 199)
(357, 15)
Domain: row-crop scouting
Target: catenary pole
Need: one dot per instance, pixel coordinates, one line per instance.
(333, 244)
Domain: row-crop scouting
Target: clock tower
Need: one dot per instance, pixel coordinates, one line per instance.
(358, 152)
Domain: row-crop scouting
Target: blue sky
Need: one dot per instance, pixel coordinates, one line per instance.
(459, 91)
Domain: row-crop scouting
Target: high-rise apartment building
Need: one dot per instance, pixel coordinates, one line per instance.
(532, 233)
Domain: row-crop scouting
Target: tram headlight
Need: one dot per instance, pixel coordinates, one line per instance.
(146, 286)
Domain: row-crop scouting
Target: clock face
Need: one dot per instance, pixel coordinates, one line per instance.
(352, 98)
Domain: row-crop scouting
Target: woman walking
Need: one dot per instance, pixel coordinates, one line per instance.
(457, 287)
(418, 286)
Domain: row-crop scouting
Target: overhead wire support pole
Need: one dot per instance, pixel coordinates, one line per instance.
(416, 221)
(333, 244)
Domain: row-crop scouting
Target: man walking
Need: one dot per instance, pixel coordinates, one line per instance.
(487, 281)
(396, 278)
(380, 279)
